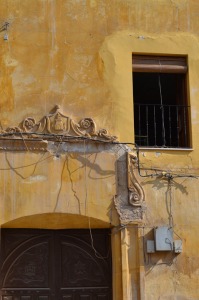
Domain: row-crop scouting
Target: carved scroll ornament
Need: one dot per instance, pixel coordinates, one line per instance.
(130, 199)
(136, 192)
(56, 124)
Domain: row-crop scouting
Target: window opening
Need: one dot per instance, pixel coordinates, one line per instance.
(161, 111)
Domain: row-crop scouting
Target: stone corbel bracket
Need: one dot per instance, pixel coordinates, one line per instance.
(55, 126)
(130, 200)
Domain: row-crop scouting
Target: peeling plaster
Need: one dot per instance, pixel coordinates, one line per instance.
(35, 178)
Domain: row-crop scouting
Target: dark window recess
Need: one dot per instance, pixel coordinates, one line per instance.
(161, 111)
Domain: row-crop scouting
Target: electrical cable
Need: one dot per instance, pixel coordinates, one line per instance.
(72, 186)
(26, 166)
(64, 137)
(168, 175)
(162, 173)
(60, 187)
(68, 138)
(97, 254)
(85, 178)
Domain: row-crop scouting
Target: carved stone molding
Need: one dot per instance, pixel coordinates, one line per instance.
(55, 125)
(136, 192)
(130, 199)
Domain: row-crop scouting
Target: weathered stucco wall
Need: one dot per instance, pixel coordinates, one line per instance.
(78, 54)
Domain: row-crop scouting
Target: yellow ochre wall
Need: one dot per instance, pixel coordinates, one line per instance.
(78, 54)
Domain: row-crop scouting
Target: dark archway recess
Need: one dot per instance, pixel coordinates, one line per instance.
(55, 264)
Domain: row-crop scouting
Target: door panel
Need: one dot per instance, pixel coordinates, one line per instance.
(53, 265)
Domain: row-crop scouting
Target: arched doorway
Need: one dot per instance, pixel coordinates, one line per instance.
(47, 264)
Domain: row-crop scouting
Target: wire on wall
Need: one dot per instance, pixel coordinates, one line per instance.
(155, 172)
(59, 139)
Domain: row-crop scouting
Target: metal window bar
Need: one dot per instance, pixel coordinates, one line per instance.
(170, 125)
(163, 126)
(185, 123)
(139, 122)
(147, 125)
(155, 128)
(158, 125)
(177, 122)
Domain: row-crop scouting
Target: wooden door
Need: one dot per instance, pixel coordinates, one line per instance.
(55, 265)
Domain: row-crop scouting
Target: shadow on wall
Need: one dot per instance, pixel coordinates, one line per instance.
(162, 182)
(93, 166)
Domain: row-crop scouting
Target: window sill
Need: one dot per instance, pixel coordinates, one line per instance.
(165, 149)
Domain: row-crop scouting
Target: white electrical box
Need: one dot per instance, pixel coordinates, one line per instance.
(178, 246)
(163, 238)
